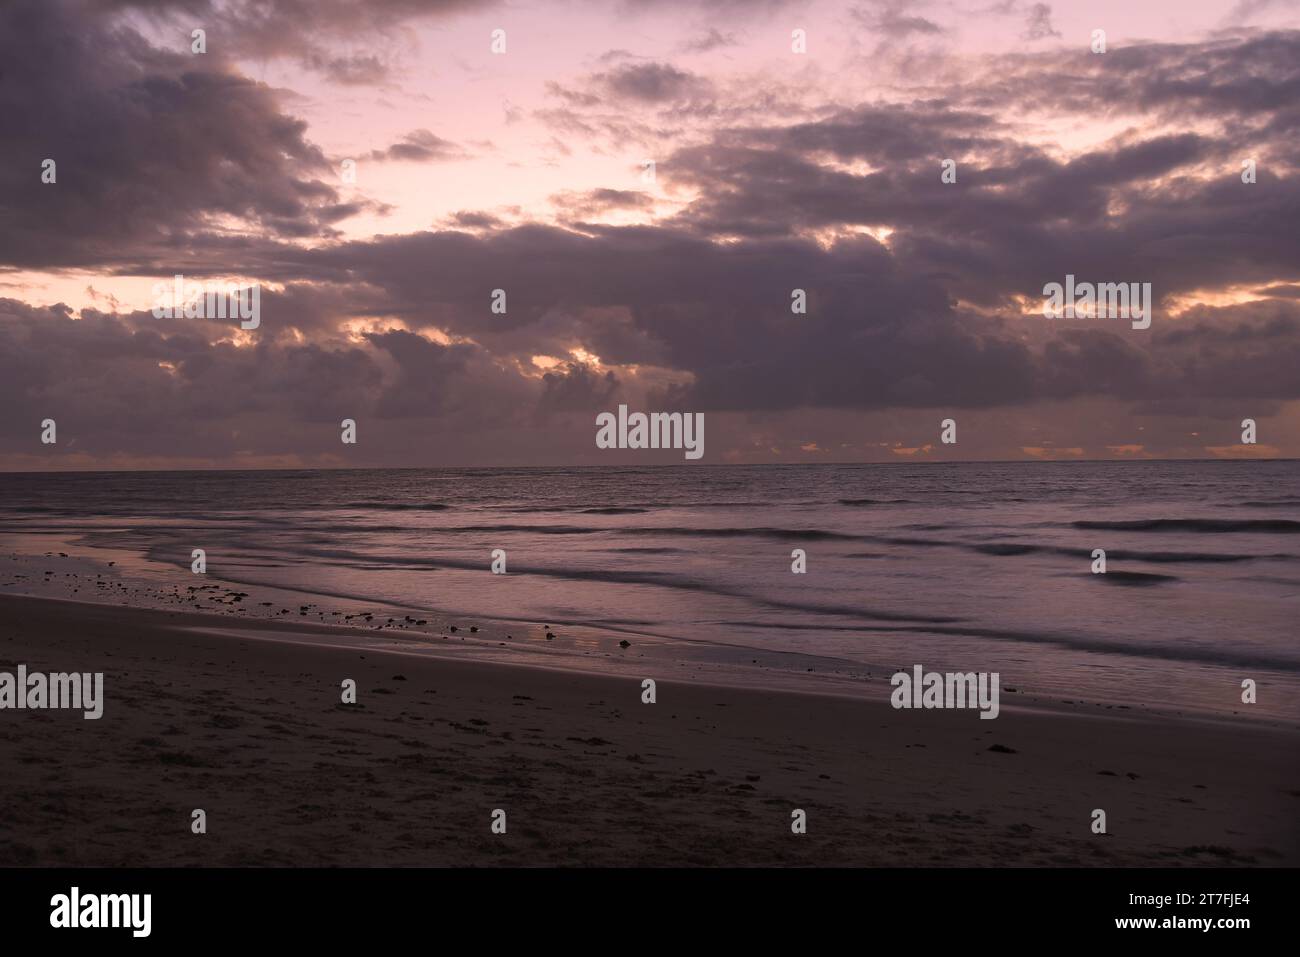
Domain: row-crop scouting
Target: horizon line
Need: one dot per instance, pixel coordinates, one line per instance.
(662, 465)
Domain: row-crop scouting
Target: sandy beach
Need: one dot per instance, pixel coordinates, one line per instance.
(252, 730)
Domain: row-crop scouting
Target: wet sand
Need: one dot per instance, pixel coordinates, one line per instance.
(252, 730)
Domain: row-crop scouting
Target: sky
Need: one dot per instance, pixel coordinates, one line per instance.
(648, 181)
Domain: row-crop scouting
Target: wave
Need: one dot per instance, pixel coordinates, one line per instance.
(875, 501)
(1161, 558)
(1135, 579)
(1227, 656)
(811, 534)
(553, 509)
(661, 579)
(631, 508)
(1207, 525)
(649, 551)
(1158, 558)
(395, 506)
(1006, 548)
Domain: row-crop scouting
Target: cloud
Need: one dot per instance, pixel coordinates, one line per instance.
(359, 70)
(576, 387)
(1138, 206)
(649, 83)
(880, 332)
(1038, 22)
(319, 35)
(421, 146)
(890, 19)
(156, 152)
(709, 40)
(921, 295)
(472, 219)
(597, 201)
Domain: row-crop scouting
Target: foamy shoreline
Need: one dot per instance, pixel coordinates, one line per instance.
(83, 575)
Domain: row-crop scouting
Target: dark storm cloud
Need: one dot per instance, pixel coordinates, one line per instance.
(166, 387)
(575, 387)
(873, 338)
(150, 147)
(876, 335)
(160, 387)
(307, 31)
(1242, 83)
(1281, 291)
(904, 133)
(427, 373)
(1167, 207)
(322, 35)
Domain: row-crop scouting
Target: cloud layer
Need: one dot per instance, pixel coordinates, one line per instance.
(923, 296)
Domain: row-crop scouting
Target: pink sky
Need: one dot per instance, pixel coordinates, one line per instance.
(774, 170)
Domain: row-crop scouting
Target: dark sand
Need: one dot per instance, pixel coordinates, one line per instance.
(253, 732)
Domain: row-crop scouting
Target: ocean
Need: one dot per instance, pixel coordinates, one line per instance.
(965, 566)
